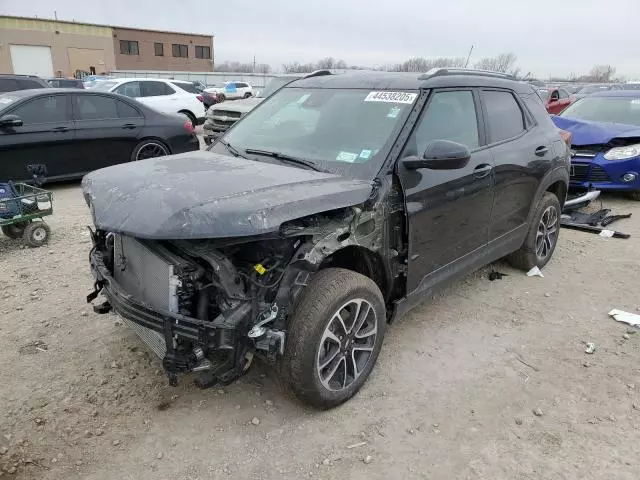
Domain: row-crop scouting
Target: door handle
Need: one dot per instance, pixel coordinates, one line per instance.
(482, 170)
(542, 151)
(60, 129)
(128, 126)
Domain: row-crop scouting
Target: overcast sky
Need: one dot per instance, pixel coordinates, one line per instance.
(549, 37)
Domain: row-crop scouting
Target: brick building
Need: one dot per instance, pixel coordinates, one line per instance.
(51, 48)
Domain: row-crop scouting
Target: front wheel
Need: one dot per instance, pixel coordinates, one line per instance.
(542, 235)
(334, 337)
(36, 234)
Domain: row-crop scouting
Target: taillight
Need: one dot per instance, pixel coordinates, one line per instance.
(199, 97)
(566, 136)
(188, 126)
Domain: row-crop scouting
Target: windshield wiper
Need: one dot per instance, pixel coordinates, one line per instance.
(286, 158)
(233, 150)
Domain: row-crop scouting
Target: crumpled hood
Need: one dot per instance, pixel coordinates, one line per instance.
(206, 195)
(594, 133)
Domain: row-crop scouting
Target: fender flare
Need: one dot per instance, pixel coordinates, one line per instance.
(557, 174)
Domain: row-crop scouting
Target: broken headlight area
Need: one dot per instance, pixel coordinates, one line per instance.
(202, 305)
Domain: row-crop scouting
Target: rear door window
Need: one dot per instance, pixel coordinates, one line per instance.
(49, 109)
(187, 87)
(26, 84)
(155, 89)
(127, 111)
(504, 116)
(94, 107)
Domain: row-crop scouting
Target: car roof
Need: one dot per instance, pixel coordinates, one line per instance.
(617, 93)
(411, 81)
(33, 92)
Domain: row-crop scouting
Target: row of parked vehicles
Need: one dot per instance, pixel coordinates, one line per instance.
(332, 207)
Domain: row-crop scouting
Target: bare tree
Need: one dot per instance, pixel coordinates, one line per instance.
(505, 62)
(420, 64)
(327, 63)
(600, 73)
(238, 67)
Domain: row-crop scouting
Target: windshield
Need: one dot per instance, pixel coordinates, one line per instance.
(544, 93)
(274, 85)
(6, 99)
(606, 109)
(104, 85)
(347, 132)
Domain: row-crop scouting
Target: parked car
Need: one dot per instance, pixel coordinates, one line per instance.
(167, 96)
(65, 82)
(12, 83)
(208, 98)
(555, 99)
(232, 91)
(606, 141)
(327, 212)
(589, 89)
(72, 132)
(219, 118)
(630, 86)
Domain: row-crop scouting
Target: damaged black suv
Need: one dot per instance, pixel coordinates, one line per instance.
(325, 213)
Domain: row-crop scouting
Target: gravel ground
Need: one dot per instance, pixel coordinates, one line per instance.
(485, 380)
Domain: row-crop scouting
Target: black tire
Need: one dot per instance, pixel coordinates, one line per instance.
(527, 256)
(146, 148)
(14, 230)
(36, 234)
(634, 195)
(247, 95)
(314, 314)
(221, 97)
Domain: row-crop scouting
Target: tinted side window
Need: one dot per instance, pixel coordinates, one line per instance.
(94, 107)
(129, 89)
(127, 111)
(8, 85)
(187, 87)
(241, 85)
(51, 109)
(504, 116)
(448, 116)
(29, 84)
(155, 89)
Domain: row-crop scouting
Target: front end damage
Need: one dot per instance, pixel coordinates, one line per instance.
(209, 306)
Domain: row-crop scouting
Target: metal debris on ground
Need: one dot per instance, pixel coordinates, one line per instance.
(625, 317)
(592, 222)
(493, 275)
(535, 272)
(591, 348)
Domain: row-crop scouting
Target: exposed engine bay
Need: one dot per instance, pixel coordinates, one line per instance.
(210, 305)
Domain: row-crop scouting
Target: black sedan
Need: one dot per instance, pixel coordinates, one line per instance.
(72, 132)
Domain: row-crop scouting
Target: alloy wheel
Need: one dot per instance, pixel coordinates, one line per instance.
(347, 344)
(547, 234)
(151, 150)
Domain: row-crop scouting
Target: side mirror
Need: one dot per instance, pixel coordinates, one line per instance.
(440, 155)
(10, 121)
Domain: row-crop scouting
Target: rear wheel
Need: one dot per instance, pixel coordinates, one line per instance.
(36, 234)
(247, 95)
(149, 149)
(221, 97)
(14, 230)
(334, 337)
(542, 236)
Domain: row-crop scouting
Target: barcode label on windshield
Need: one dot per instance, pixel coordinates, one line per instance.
(391, 97)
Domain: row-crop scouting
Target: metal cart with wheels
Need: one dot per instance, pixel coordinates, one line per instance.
(22, 207)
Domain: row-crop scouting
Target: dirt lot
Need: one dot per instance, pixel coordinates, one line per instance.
(452, 397)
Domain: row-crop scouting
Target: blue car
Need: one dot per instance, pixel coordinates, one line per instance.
(605, 145)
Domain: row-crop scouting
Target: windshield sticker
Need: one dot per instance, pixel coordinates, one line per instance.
(347, 157)
(391, 97)
(394, 112)
(366, 154)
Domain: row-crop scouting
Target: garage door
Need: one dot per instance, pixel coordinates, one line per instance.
(31, 60)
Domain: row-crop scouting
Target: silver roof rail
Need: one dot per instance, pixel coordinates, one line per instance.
(438, 72)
